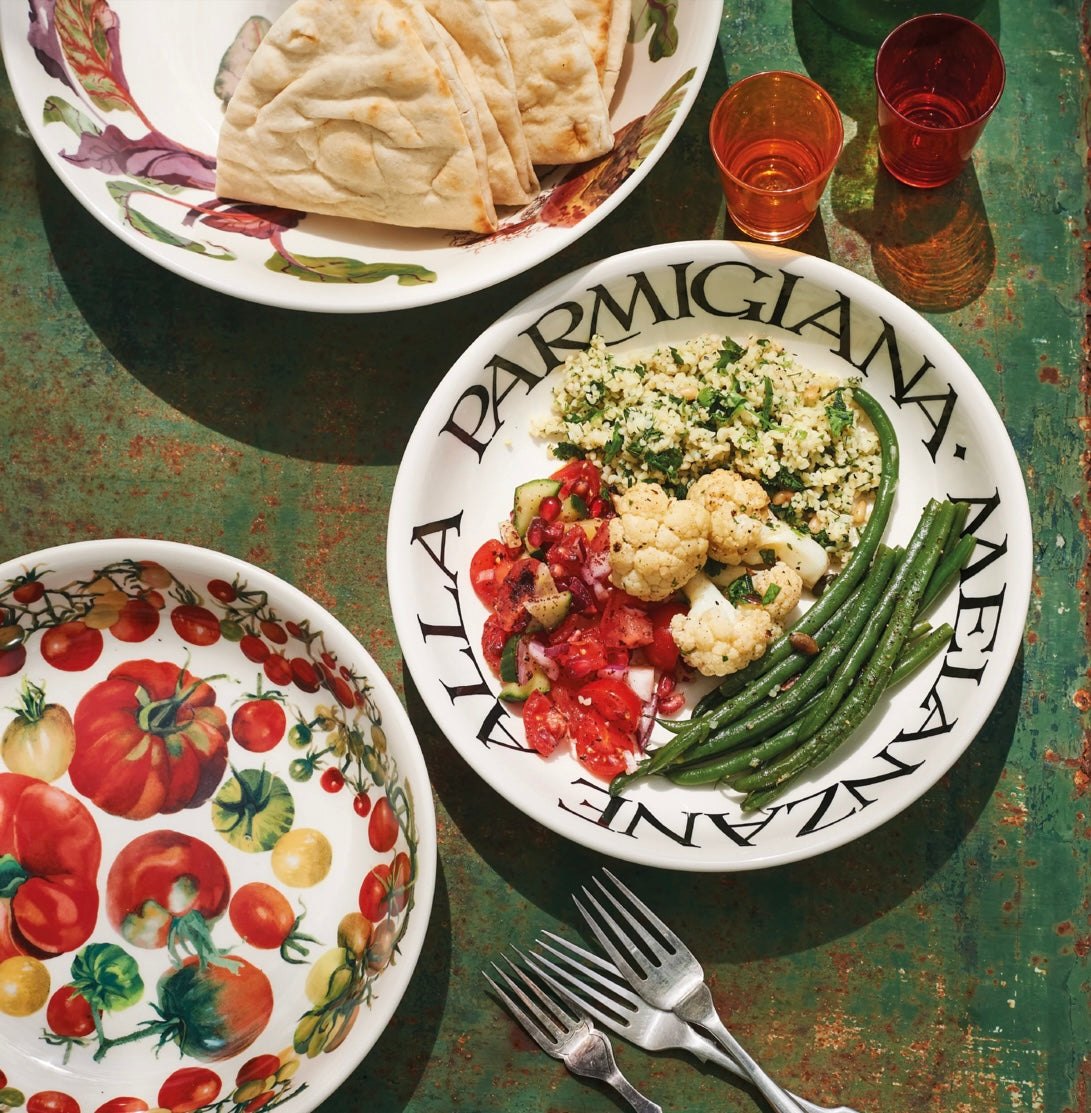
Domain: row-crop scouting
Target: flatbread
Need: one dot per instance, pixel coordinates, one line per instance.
(605, 26)
(354, 108)
(564, 111)
(470, 24)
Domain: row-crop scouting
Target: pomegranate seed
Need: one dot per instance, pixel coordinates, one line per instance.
(536, 533)
(672, 703)
(549, 508)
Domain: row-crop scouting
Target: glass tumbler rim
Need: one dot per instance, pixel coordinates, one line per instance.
(822, 95)
(964, 24)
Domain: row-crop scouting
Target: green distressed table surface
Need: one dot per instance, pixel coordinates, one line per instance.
(937, 964)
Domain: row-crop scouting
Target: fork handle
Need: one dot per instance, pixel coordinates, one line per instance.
(632, 1095)
(709, 1052)
(698, 1008)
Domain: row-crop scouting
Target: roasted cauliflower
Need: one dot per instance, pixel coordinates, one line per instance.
(743, 530)
(715, 636)
(657, 542)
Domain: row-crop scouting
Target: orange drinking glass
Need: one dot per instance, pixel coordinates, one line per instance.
(937, 80)
(776, 137)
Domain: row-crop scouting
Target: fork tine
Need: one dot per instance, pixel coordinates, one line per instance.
(518, 1012)
(589, 965)
(552, 1020)
(582, 995)
(623, 958)
(651, 920)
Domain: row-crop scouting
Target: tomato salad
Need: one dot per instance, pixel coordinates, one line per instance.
(590, 665)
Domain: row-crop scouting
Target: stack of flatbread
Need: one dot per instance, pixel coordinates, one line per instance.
(423, 113)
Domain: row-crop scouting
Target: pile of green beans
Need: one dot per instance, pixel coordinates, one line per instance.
(789, 710)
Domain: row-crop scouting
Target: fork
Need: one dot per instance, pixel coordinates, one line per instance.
(574, 1040)
(594, 985)
(666, 974)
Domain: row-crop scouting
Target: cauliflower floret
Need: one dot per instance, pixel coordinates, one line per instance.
(716, 637)
(743, 529)
(738, 509)
(657, 542)
(783, 601)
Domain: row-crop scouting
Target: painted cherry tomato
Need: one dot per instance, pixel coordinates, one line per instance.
(28, 590)
(12, 660)
(260, 723)
(302, 857)
(137, 620)
(273, 631)
(382, 827)
(277, 669)
(195, 624)
(189, 1088)
(305, 675)
(332, 779)
(123, 1104)
(69, 1013)
(384, 891)
(257, 1069)
(154, 574)
(71, 646)
(261, 915)
(52, 1101)
(361, 804)
(223, 591)
(253, 648)
(24, 985)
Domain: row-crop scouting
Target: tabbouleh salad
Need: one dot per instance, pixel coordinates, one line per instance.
(675, 412)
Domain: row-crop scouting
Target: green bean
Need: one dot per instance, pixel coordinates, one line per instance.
(828, 603)
(776, 712)
(950, 565)
(917, 652)
(873, 677)
(726, 734)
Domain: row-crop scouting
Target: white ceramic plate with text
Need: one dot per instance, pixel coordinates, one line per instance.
(472, 446)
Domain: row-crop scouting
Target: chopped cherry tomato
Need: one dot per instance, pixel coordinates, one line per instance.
(661, 651)
(614, 700)
(580, 478)
(546, 725)
(493, 637)
(624, 622)
(522, 582)
(601, 746)
(488, 567)
(583, 654)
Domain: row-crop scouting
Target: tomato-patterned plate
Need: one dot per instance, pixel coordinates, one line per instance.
(217, 838)
(121, 98)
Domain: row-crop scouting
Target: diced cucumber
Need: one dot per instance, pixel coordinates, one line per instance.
(509, 659)
(528, 497)
(520, 693)
(573, 509)
(549, 611)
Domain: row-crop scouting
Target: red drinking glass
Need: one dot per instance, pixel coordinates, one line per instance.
(937, 79)
(776, 137)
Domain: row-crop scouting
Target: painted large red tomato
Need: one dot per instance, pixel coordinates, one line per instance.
(166, 884)
(150, 740)
(50, 852)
